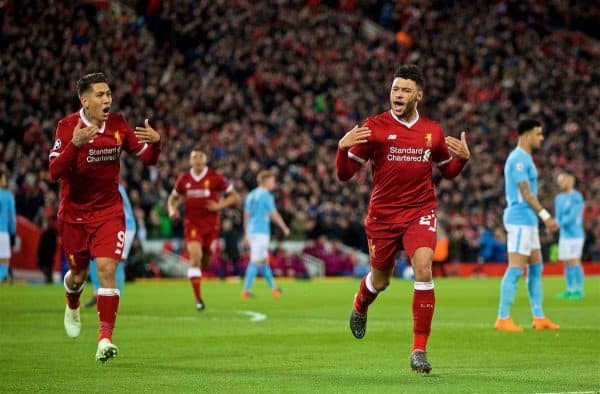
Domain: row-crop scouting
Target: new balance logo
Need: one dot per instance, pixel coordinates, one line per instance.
(392, 137)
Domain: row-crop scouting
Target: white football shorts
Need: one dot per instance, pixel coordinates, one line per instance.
(259, 247)
(129, 237)
(570, 248)
(4, 245)
(522, 239)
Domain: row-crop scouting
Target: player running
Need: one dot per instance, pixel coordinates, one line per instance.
(402, 146)
(201, 188)
(91, 224)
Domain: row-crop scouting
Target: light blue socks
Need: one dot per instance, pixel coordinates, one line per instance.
(578, 278)
(251, 272)
(3, 271)
(534, 287)
(508, 290)
(268, 275)
(571, 278)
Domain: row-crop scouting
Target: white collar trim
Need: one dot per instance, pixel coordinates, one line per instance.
(87, 122)
(200, 176)
(405, 123)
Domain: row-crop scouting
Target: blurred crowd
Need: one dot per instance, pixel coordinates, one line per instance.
(275, 84)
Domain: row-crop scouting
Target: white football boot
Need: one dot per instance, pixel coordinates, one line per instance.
(106, 350)
(72, 322)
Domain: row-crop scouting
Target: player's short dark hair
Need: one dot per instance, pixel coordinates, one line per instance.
(412, 72)
(85, 82)
(527, 125)
(199, 148)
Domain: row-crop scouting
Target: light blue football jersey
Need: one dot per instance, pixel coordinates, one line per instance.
(568, 209)
(519, 167)
(130, 223)
(8, 221)
(259, 205)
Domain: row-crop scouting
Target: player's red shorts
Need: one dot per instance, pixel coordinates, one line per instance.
(386, 241)
(203, 234)
(82, 241)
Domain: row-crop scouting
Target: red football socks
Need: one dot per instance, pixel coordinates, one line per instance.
(72, 295)
(363, 297)
(423, 307)
(195, 277)
(195, 281)
(107, 306)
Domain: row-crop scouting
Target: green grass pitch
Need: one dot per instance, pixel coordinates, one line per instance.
(303, 345)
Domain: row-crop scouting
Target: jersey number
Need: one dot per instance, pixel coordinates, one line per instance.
(427, 220)
(120, 243)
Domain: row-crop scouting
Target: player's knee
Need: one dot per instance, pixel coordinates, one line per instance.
(381, 284)
(422, 272)
(78, 278)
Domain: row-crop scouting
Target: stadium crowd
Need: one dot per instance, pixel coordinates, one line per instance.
(266, 84)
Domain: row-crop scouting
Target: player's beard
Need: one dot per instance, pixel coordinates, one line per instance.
(409, 109)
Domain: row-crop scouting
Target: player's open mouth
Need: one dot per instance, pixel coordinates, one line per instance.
(105, 110)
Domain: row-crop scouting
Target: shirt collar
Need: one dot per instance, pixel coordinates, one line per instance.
(198, 177)
(405, 123)
(87, 122)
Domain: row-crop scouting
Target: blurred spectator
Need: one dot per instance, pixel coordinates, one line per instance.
(267, 83)
(492, 245)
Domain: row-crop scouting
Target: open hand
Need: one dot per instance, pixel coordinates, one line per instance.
(356, 136)
(147, 133)
(83, 135)
(458, 147)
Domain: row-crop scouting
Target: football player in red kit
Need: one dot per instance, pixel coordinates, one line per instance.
(402, 146)
(201, 189)
(91, 223)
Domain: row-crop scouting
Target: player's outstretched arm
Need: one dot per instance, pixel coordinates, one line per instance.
(460, 156)
(173, 206)
(345, 166)
(535, 204)
(232, 198)
(150, 136)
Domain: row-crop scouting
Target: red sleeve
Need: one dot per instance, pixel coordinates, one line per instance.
(345, 166)
(440, 153)
(63, 152)
(147, 153)
(348, 162)
(452, 168)
(178, 187)
(224, 185)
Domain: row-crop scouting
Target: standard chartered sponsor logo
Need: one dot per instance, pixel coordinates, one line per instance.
(409, 154)
(198, 193)
(104, 154)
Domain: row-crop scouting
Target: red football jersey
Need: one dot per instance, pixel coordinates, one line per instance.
(198, 190)
(90, 175)
(402, 155)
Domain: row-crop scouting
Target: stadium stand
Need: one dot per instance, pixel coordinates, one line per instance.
(276, 83)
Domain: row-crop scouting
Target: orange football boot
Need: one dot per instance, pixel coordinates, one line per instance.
(507, 324)
(276, 293)
(543, 323)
